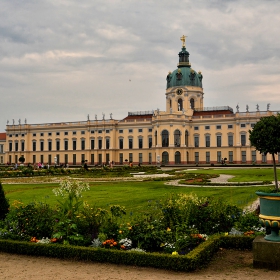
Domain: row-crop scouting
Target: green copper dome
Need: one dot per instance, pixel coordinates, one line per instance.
(184, 75)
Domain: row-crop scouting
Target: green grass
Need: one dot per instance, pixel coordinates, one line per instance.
(242, 175)
(133, 195)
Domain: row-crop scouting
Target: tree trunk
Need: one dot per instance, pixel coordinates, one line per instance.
(275, 172)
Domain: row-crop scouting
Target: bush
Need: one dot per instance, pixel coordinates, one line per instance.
(4, 204)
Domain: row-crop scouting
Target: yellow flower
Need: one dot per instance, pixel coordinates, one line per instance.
(120, 231)
(168, 229)
(226, 233)
(175, 253)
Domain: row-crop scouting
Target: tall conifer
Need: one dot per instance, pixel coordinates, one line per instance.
(4, 204)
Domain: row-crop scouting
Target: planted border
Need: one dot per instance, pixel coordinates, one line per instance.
(197, 258)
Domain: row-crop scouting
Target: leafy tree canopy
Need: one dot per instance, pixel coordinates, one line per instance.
(265, 136)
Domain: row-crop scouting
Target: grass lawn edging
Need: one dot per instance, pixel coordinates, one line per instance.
(196, 259)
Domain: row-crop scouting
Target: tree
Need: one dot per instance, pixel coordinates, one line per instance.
(21, 159)
(265, 137)
(4, 204)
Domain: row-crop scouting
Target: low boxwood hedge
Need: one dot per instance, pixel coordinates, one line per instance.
(197, 258)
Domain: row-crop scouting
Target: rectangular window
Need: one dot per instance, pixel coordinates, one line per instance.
(107, 131)
(243, 140)
(140, 158)
(57, 145)
(92, 144)
(65, 145)
(92, 131)
(83, 158)
(50, 145)
(83, 144)
(243, 156)
(130, 157)
(230, 156)
(99, 144)
(140, 130)
(243, 125)
(58, 133)
(252, 125)
(16, 136)
(130, 130)
(74, 159)
(150, 142)
(219, 156)
(1, 149)
(49, 159)
(196, 128)
(92, 159)
(99, 131)
(10, 146)
(150, 158)
(230, 140)
(34, 146)
(140, 143)
(219, 140)
(263, 158)
(121, 143)
(66, 159)
(74, 132)
(254, 156)
(207, 127)
(196, 157)
(42, 158)
(207, 141)
(65, 132)
(120, 131)
(130, 143)
(207, 157)
(121, 158)
(230, 126)
(74, 145)
(150, 130)
(41, 134)
(34, 159)
(107, 143)
(100, 159)
(107, 158)
(34, 134)
(42, 146)
(83, 132)
(16, 146)
(218, 127)
(196, 141)
(49, 134)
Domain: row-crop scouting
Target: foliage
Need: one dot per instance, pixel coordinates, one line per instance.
(21, 159)
(265, 137)
(4, 204)
(25, 221)
(71, 192)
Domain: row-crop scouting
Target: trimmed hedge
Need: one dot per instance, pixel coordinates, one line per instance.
(197, 258)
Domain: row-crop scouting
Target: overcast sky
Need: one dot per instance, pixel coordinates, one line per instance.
(61, 60)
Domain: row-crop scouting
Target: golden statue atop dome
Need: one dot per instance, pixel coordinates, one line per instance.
(183, 39)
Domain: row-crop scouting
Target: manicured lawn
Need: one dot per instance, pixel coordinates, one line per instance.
(135, 196)
(242, 175)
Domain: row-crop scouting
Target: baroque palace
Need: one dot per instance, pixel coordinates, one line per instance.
(185, 133)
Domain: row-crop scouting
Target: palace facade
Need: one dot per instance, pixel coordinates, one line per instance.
(186, 132)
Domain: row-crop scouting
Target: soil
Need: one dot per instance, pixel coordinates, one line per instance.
(227, 264)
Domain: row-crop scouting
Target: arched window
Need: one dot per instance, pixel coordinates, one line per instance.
(165, 158)
(187, 138)
(177, 138)
(165, 138)
(192, 103)
(170, 104)
(180, 104)
(177, 157)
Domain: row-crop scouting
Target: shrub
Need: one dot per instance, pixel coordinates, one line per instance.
(4, 204)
